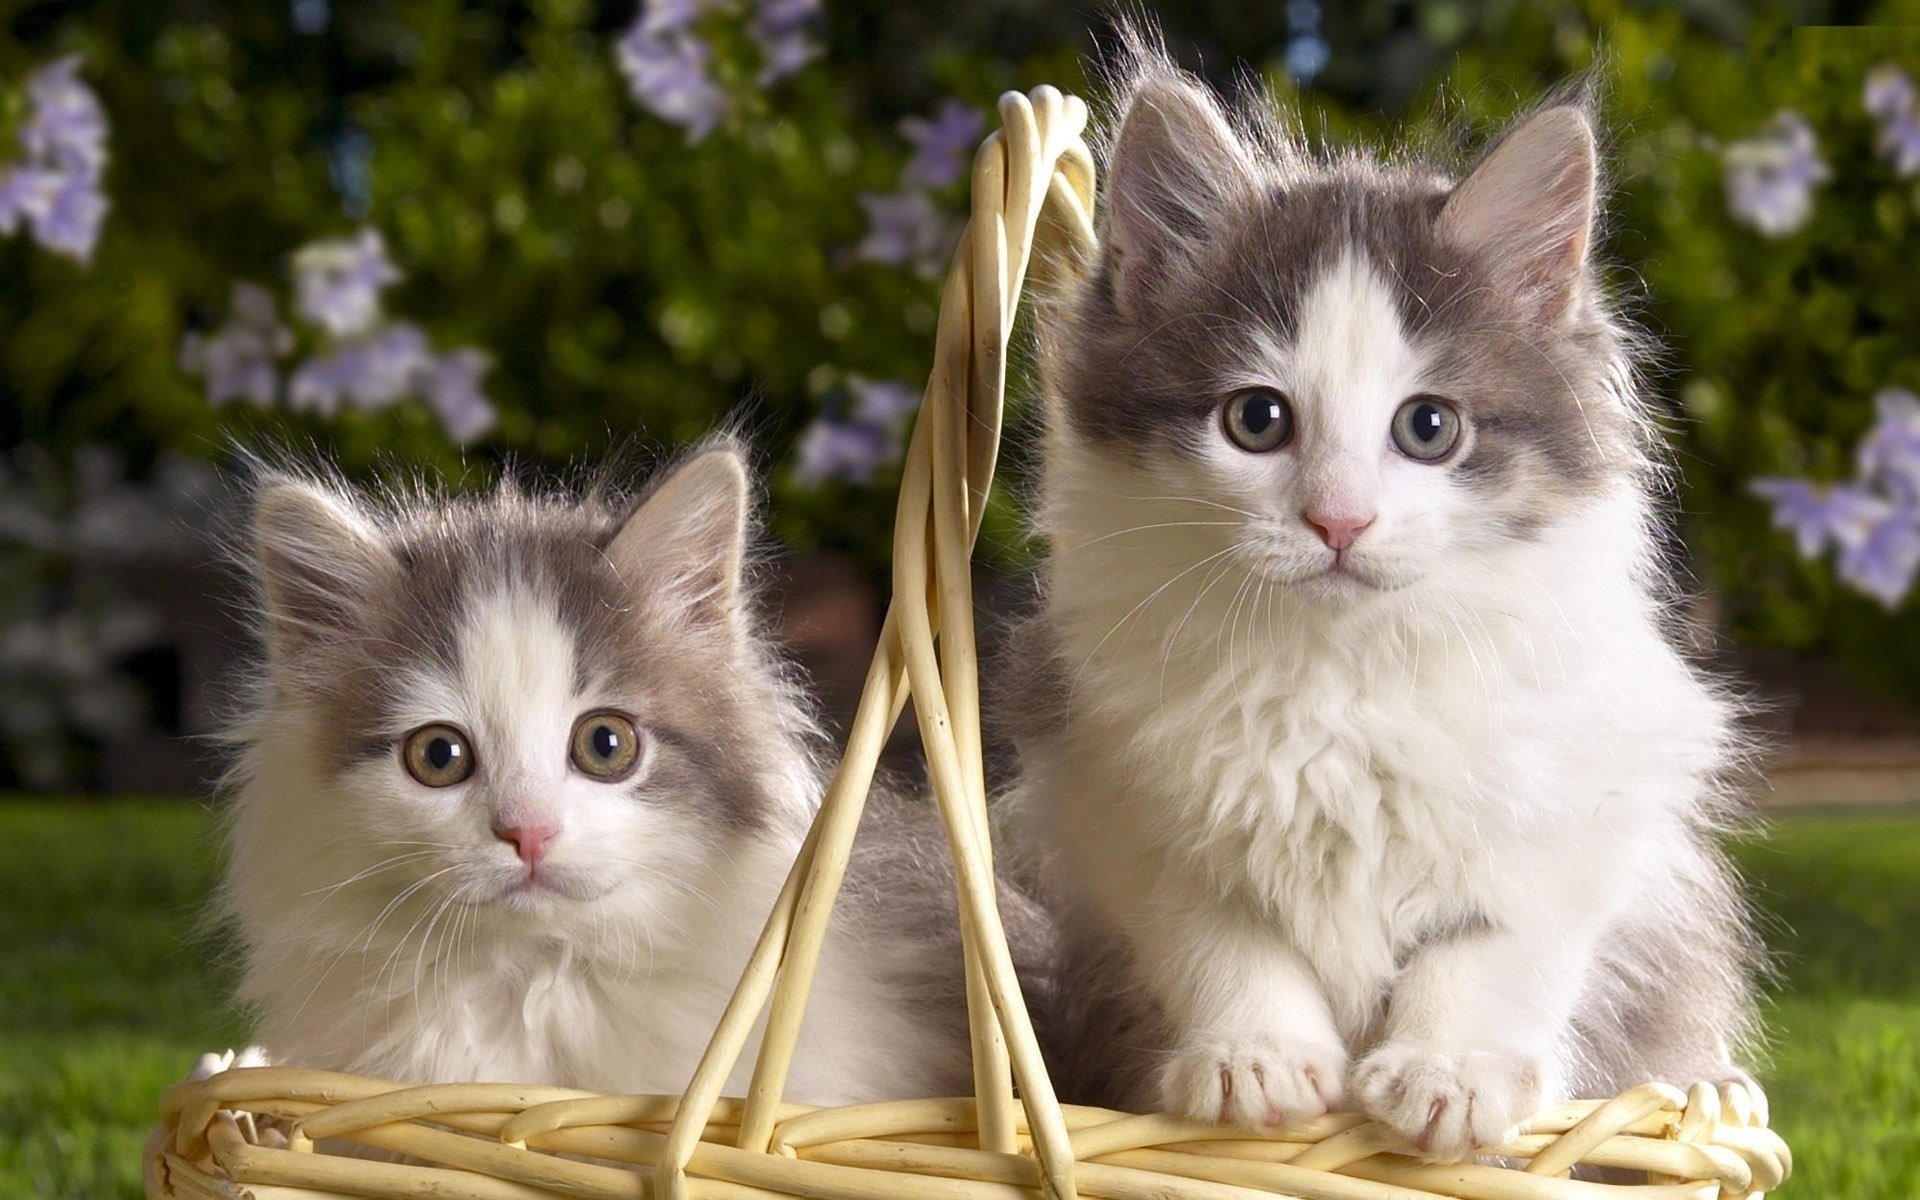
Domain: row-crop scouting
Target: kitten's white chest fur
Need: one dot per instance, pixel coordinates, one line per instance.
(1339, 809)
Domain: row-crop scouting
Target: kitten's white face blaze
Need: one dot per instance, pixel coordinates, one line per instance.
(1350, 366)
(513, 693)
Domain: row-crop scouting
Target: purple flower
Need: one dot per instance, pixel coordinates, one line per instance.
(1889, 92)
(1890, 452)
(905, 228)
(55, 189)
(670, 16)
(68, 128)
(1899, 142)
(665, 63)
(318, 384)
(1817, 515)
(386, 366)
(452, 388)
(1771, 175)
(943, 144)
(1884, 562)
(849, 450)
(239, 361)
(71, 224)
(782, 29)
(371, 372)
(389, 365)
(338, 283)
(885, 402)
(26, 195)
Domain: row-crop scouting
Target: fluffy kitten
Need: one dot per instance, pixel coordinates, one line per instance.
(518, 788)
(1363, 760)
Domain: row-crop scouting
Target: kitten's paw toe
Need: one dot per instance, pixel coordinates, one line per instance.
(252, 1056)
(1260, 1082)
(1449, 1105)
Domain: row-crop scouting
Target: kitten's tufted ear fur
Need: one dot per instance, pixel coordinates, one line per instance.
(687, 540)
(318, 560)
(1528, 208)
(1176, 168)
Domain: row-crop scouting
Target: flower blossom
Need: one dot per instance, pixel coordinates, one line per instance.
(847, 450)
(1890, 97)
(665, 63)
(943, 144)
(870, 436)
(1883, 564)
(906, 229)
(241, 360)
(338, 283)
(54, 190)
(1890, 452)
(1820, 515)
(782, 29)
(1771, 176)
(1874, 520)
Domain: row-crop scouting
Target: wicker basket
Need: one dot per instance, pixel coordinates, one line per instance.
(1033, 186)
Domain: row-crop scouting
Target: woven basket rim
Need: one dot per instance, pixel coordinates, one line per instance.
(1704, 1143)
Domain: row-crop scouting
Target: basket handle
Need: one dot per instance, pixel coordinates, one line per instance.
(1033, 183)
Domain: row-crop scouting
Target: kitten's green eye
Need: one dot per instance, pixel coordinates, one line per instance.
(605, 746)
(1426, 429)
(1257, 420)
(437, 755)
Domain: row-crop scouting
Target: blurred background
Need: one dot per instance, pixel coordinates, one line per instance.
(424, 235)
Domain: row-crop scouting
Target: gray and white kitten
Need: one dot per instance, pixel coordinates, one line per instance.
(517, 789)
(1361, 755)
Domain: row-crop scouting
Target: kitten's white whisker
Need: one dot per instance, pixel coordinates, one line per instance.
(385, 865)
(354, 942)
(1213, 576)
(1145, 528)
(1187, 499)
(1135, 609)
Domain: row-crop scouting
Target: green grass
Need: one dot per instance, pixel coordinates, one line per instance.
(107, 993)
(1844, 892)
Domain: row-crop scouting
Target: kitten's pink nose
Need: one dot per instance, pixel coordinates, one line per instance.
(1338, 529)
(530, 842)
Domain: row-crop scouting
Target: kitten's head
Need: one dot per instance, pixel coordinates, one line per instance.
(522, 704)
(1355, 374)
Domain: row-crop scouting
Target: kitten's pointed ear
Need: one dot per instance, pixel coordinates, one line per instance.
(1177, 168)
(688, 539)
(318, 561)
(1528, 208)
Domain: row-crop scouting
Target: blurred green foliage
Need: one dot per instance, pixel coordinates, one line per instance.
(632, 286)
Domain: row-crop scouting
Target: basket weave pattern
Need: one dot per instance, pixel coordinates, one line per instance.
(1033, 195)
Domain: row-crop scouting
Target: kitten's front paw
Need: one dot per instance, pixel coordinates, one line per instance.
(1261, 1082)
(1449, 1105)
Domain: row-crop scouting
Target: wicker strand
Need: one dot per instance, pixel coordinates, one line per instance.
(270, 1133)
(938, 518)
